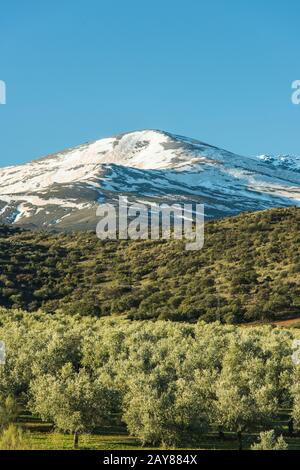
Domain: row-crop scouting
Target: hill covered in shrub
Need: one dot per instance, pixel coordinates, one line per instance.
(248, 270)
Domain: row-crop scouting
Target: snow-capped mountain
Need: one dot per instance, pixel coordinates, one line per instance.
(63, 190)
(286, 162)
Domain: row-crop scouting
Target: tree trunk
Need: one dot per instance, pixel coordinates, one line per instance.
(240, 441)
(291, 426)
(75, 440)
(221, 434)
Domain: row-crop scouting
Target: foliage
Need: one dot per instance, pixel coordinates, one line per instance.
(163, 411)
(168, 382)
(268, 441)
(244, 398)
(13, 438)
(72, 400)
(9, 410)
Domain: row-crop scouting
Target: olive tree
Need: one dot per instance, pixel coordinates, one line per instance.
(73, 401)
(36, 345)
(295, 393)
(162, 409)
(269, 441)
(244, 397)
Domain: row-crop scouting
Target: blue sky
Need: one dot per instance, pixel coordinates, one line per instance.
(220, 71)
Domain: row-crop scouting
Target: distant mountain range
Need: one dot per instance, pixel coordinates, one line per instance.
(62, 191)
(286, 162)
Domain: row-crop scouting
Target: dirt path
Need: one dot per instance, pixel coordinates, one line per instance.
(291, 321)
(286, 323)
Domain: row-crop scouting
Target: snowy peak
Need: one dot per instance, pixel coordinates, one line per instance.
(147, 149)
(63, 190)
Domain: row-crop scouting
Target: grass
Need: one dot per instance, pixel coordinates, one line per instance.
(41, 436)
(58, 441)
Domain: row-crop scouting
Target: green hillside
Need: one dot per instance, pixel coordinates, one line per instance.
(248, 270)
